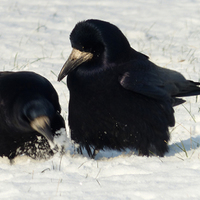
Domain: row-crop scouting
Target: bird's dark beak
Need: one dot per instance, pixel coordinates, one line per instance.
(42, 125)
(75, 59)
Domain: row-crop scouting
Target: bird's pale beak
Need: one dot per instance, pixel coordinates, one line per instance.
(42, 125)
(75, 59)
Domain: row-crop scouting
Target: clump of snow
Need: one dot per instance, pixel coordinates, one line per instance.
(34, 36)
(60, 142)
(61, 137)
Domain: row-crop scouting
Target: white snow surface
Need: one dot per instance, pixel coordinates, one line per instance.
(34, 36)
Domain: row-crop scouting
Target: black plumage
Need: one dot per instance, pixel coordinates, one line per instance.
(30, 117)
(118, 98)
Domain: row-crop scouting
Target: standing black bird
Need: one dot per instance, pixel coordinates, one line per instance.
(30, 120)
(118, 98)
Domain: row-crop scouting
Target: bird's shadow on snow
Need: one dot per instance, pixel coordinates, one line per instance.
(184, 147)
(181, 148)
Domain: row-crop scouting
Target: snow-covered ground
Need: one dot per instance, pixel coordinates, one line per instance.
(34, 35)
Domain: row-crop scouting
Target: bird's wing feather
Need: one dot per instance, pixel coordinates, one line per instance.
(146, 78)
(144, 81)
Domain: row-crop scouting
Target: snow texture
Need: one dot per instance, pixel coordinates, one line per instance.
(34, 36)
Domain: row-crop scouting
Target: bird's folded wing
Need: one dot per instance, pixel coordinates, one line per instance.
(145, 83)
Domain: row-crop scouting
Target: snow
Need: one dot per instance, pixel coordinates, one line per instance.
(34, 36)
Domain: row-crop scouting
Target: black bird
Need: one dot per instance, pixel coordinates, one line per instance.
(30, 120)
(118, 98)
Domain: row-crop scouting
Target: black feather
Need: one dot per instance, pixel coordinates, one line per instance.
(25, 97)
(118, 98)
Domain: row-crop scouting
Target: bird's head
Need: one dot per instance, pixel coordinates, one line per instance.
(96, 43)
(35, 114)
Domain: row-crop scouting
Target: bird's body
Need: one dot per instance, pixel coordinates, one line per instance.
(29, 115)
(118, 98)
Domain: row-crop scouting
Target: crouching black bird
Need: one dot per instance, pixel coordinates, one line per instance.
(30, 120)
(118, 98)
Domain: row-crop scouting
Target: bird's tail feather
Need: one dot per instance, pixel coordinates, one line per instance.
(192, 90)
